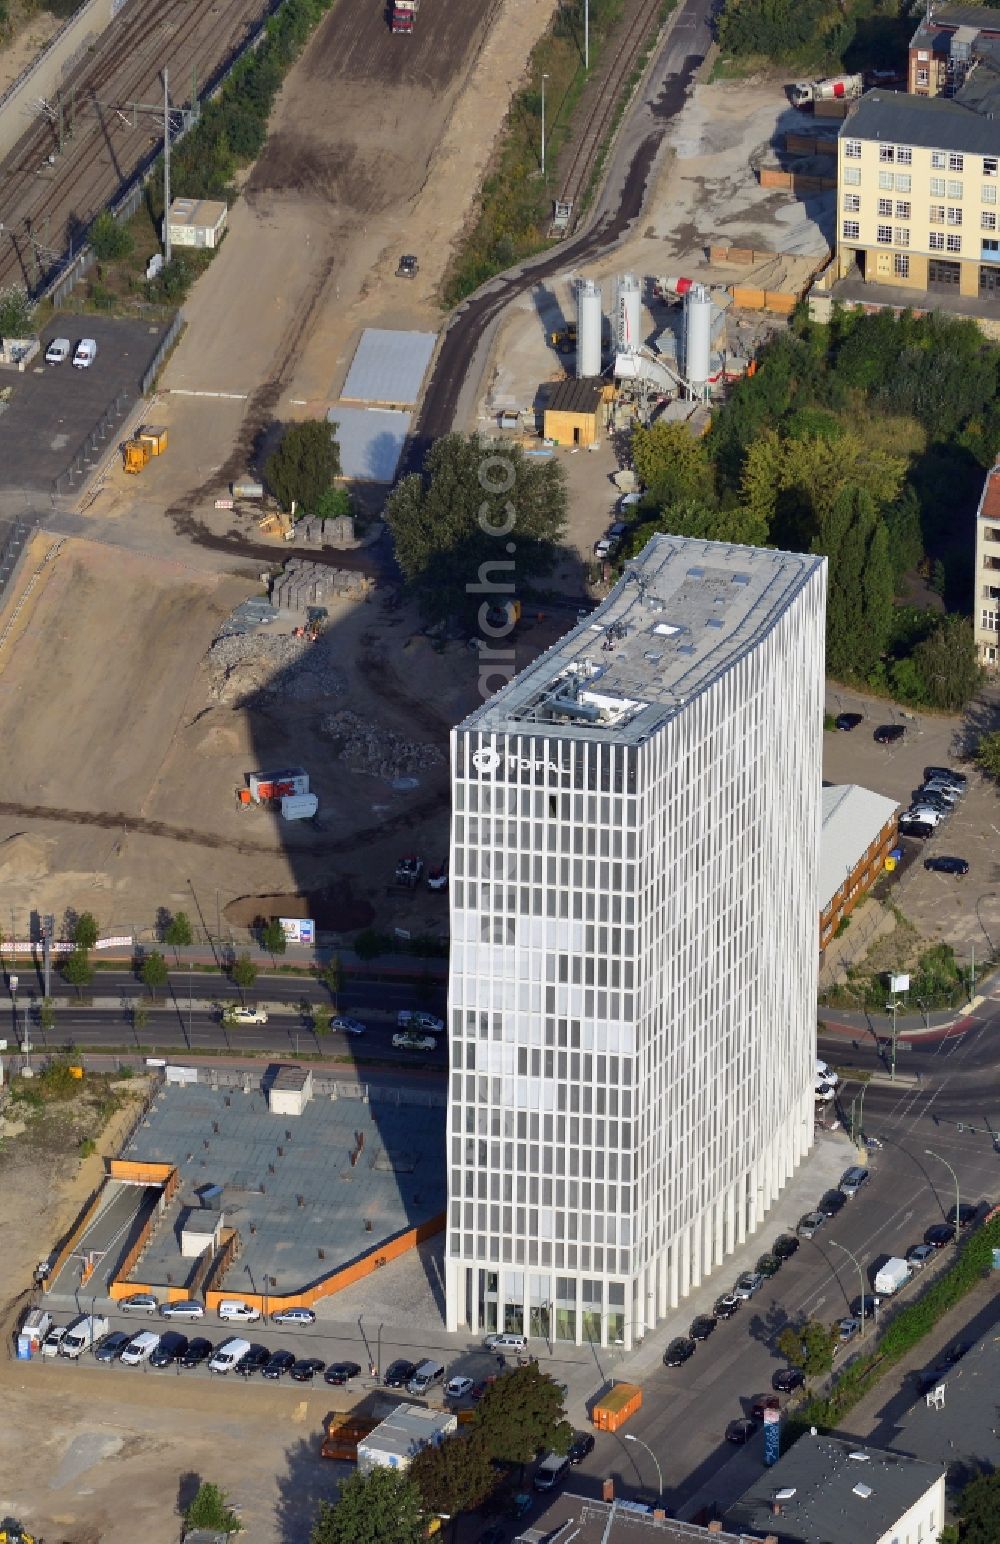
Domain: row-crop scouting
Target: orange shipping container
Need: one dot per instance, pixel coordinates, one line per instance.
(614, 1408)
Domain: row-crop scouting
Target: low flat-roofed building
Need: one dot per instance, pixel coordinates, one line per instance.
(290, 1090)
(398, 1439)
(573, 411)
(832, 1490)
(859, 832)
(197, 222)
(587, 1521)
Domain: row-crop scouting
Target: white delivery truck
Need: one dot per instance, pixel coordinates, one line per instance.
(83, 1335)
(895, 1273)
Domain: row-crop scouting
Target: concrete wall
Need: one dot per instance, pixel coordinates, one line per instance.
(43, 77)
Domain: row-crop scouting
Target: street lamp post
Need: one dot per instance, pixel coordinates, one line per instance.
(859, 1100)
(659, 1472)
(958, 1199)
(544, 79)
(861, 1276)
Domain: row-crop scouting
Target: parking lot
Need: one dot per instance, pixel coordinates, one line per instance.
(54, 409)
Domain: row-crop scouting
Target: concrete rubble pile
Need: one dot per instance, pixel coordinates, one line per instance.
(305, 583)
(272, 665)
(372, 748)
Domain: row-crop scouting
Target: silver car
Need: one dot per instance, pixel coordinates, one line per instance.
(810, 1224)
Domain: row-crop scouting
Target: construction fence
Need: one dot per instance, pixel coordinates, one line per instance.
(755, 297)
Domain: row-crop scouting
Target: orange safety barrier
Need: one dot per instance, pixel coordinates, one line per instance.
(134, 1173)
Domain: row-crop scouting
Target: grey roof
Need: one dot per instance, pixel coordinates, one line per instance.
(201, 1220)
(586, 1521)
(293, 1078)
(965, 1427)
(408, 1429)
(836, 1492)
(852, 818)
(935, 123)
(576, 396)
(683, 613)
(371, 441)
(388, 366)
(948, 18)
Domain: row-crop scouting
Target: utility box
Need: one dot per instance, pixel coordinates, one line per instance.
(201, 1230)
(290, 1090)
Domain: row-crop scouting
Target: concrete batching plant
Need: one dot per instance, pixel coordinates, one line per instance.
(628, 314)
(588, 329)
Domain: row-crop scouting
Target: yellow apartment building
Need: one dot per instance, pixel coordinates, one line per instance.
(917, 190)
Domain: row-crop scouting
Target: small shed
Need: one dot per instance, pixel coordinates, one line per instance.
(290, 1090)
(201, 1230)
(572, 413)
(398, 1439)
(197, 222)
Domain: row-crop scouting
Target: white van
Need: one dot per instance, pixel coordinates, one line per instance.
(425, 1377)
(229, 1354)
(235, 1308)
(85, 353)
(83, 1335)
(140, 1348)
(553, 1468)
(506, 1342)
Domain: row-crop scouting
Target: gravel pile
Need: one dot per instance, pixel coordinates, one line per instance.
(371, 748)
(274, 665)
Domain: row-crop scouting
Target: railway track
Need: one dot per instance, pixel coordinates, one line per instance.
(47, 203)
(606, 102)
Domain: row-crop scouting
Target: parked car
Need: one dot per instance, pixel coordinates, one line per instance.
(410, 1042)
(248, 1015)
(199, 1350)
(810, 1224)
(868, 1302)
(740, 1432)
(581, 1447)
(140, 1348)
(399, 1373)
(747, 1284)
(280, 1363)
(848, 721)
(347, 1025)
(768, 1265)
(457, 1388)
(54, 1339)
(110, 1347)
(946, 792)
(918, 1256)
(787, 1379)
(305, 1369)
(341, 1372)
(889, 734)
(254, 1360)
(923, 815)
(604, 547)
(847, 1329)
(184, 1308)
(85, 353)
(832, 1202)
(946, 775)
(726, 1306)
(58, 351)
(171, 1348)
(761, 1403)
(140, 1302)
(957, 866)
(702, 1327)
(293, 1316)
(679, 1351)
(916, 828)
(853, 1180)
(939, 1234)
(416, 1018)
(964, 1215)
(874, 1144)
(785, 1246)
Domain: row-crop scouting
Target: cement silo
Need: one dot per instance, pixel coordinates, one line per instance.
(697, 339)
(628, 314)
(588, 328)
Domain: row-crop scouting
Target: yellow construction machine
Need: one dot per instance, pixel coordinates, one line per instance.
(138, 452)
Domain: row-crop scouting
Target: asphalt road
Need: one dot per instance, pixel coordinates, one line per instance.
(638, 149)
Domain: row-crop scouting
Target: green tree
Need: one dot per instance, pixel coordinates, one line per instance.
(860, 584)
(17, 315)
(320, 1015)
(272, 937)
(979, 1508)
(109, 240)
(475, 525)
(153, 972)
(85, 931)
(947, 664)
(672, 464)
(210, 1509)
(140, 1016)
(456, 1475)
(378, 1508)
(244, 973)
(334, 503)
(521, 1414)
(988, 755)
(304, 464)
(333, 977)
(179, 933)
(704, 521)
(77, 970)
(809, 1346)
(47, 1015)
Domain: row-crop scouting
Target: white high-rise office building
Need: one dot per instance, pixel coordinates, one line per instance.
(632, 1006)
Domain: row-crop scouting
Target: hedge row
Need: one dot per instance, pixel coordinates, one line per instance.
(906, 1330)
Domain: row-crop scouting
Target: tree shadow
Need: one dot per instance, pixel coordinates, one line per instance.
(308, 1479)
(188, 1485)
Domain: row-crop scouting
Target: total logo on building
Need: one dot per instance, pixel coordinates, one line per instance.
(488, 760)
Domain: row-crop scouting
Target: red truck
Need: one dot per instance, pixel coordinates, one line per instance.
(403, 14)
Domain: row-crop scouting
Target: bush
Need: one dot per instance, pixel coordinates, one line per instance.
(110, 241)
(17, 315)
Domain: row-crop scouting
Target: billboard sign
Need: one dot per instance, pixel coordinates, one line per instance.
(298, 930)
